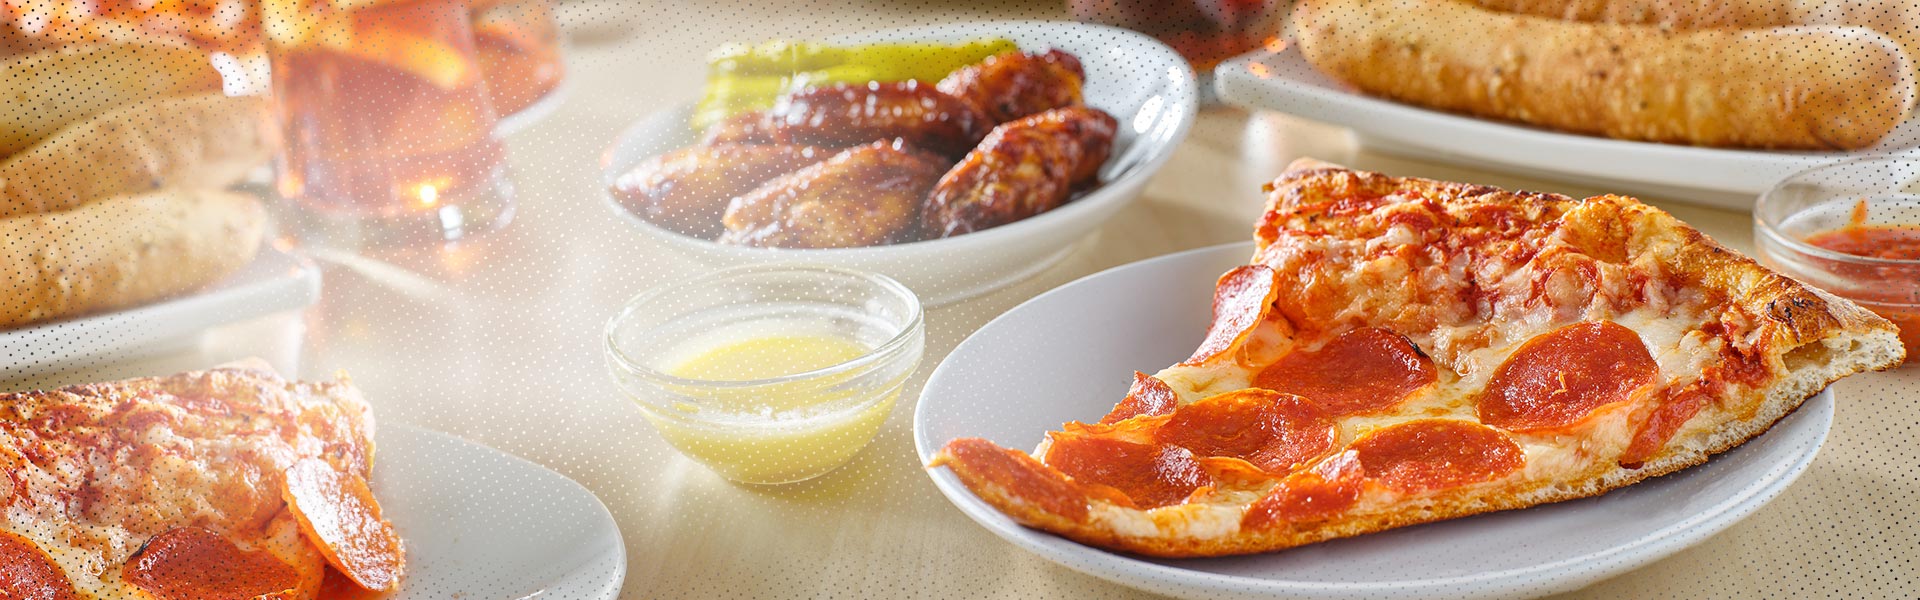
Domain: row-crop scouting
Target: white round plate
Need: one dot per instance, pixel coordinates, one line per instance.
(1732, 178)
(480, 523)
(1066, 356)
(1142, 82)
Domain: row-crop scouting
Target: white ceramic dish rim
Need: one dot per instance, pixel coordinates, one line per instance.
(1163, 578)
(611, 586)
(1184, 90)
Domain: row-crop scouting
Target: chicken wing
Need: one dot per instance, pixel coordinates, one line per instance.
(864, 196)
(846, 115)
(687, 190)
(1024, 168)
(1016, 84)
(744, 128)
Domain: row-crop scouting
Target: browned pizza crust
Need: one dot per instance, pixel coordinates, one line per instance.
(1790, 341)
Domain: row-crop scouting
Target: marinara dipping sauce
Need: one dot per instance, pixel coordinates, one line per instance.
(1891, 288)
(1851, 228)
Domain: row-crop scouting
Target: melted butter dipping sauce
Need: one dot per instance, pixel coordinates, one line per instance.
(778, 432)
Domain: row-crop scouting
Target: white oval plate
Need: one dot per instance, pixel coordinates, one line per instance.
(1143, 83)
(1066, 355)
(480, 523)
(1732, 178)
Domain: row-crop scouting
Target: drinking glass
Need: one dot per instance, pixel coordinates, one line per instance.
(1206, 32)
(387, 127)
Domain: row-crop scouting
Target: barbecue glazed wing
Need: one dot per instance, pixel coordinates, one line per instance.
(865, 196)
(687, 190)
(847, 115)
(1022, 169)
(1016, 84)
(749, 127)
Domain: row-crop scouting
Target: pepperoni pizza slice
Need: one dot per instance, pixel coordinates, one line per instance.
(1401, 351)
(229, 483)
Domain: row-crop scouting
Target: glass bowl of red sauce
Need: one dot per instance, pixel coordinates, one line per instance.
(1851, 228)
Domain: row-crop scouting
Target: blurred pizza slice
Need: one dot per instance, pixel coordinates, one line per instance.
(1401, 351)
(228, 483)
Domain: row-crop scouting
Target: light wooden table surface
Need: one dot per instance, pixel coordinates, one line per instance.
(497, 341)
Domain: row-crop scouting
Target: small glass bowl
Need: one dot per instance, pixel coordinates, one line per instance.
(1881, 191)
(779, 429)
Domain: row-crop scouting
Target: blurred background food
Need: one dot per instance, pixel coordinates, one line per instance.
(1206, 32)
(518, 40)
(1694, 76)
(742, 78)
(957, 144)
(110, 178)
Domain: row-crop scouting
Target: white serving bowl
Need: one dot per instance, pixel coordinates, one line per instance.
(1143, 83)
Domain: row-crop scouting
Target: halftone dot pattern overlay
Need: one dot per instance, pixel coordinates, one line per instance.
(594, 299)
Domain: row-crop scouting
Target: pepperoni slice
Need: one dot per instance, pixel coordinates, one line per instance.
(1150, 475)
(977, 461)
(335, 586)
(27, 573)
(1149, 396)
(1360, 371)
(1274, 431)
(1434, 454)
(190, 563)
(1230, 471)
(1240, 300)
(1328, 489)
(1558, 378)
(337, 511)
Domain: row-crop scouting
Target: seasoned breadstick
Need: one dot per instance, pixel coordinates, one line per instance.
(50, 89)
(1787, 88)
(1678, 14)
(123, 251)
(1897, 19)
(204, 141)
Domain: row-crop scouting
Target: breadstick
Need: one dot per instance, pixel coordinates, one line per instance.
(1677, 14)
(46, 90)
(1897, 19)
(1787, 88)
(123, 251)
(204, 141)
